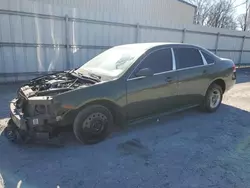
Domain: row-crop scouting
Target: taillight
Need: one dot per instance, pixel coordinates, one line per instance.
(234, 68)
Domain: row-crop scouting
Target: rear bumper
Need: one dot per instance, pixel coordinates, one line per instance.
(231, 81)
(17, 116)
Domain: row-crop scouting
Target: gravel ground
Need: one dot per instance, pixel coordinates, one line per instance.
(189, 149)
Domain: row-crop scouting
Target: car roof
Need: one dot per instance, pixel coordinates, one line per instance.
(155, 45)
(147, 46)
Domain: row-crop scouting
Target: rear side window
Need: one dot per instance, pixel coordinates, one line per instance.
(209, 58)
(187, 57)
(158, 61)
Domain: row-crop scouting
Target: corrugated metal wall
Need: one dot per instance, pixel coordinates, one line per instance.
(37, 37)
(141, 11)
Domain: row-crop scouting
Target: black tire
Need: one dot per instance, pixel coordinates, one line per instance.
(84, 128)
(206, 105)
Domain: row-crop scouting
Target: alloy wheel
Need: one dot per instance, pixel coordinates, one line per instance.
(215, 98)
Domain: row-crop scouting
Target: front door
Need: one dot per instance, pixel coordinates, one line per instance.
(156, 93)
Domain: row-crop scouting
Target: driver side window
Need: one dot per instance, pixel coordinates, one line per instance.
(158, 61)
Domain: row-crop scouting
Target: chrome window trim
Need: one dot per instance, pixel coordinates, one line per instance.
(137, 78)
(164, 72)
(173, 59)
(173, 64)
(203, 58)
(198, 66)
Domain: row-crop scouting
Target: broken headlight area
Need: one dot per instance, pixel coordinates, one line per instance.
(40, 109)
(33, 112)
(44, 111)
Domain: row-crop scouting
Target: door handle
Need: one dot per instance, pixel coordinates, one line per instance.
(204, 72)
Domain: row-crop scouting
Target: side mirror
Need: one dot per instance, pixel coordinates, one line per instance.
(144, 72)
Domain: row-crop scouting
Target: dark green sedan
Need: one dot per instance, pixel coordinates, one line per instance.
(120, 85)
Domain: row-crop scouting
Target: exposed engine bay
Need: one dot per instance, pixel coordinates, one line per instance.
(33, 111)
(56, 83)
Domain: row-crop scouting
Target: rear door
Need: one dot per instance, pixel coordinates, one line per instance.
(193, 75)
(153, 94)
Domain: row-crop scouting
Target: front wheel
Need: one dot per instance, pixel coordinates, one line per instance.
(93, 124)
(213, 98)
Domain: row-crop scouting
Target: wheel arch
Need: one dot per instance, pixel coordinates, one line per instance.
(115, 110)
(220, 82)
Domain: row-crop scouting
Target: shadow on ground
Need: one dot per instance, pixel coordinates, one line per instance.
(243, 75)
(184, 148)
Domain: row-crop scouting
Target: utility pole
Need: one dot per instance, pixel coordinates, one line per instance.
(246, 16)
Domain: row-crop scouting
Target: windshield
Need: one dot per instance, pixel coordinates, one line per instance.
(112, 62)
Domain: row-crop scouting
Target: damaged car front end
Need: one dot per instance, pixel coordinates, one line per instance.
(87, 99)
(34, 111)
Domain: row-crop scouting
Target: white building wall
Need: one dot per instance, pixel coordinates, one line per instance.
(142, 11)
(34, 38)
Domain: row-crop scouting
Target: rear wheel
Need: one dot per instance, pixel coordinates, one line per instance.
(93, 124)
(213, 98)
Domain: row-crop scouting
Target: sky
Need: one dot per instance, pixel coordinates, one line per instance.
(240, 9)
